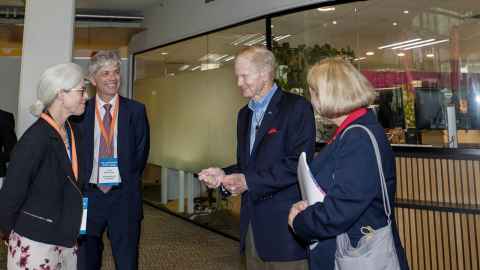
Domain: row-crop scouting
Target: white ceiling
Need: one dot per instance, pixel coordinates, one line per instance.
(115, 5)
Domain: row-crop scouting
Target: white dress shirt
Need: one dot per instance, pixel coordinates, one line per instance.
(96, 138)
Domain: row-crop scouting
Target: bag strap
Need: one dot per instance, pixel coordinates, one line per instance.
(383, 183)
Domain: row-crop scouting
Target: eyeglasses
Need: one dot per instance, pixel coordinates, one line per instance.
(82, 90)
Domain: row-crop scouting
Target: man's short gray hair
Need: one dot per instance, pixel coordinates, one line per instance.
(53, 80)
(102, 59)
(261, 57)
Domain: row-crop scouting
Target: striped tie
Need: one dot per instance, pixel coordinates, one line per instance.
(106, 151)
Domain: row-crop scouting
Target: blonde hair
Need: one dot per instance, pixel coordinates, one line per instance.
(340, 87)
(53, 80)
(261, 57)
(102, 59)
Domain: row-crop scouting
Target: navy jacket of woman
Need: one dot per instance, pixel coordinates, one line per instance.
(347, 170)
(40, 199)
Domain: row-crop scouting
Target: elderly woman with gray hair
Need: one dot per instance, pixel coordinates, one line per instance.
(41, 202)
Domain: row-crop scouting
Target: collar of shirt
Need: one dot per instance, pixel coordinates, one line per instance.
(261, 105)
(352, 117)
(112, 102)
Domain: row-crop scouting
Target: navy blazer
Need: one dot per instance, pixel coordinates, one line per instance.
(8, 139)
(133, 144)
(347, 170)
(287, 129)
(40, 199)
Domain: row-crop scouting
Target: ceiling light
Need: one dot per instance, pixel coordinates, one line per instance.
(244, 38)
(184, 67)
(370, 53)
(426, 44)
(359, 59)
(209, 66)
(164, 53)
(398, 43)
(220, 58)
(272, 26)
(414, 43)
(255, 41)
(334, 22)
(281, 37)
(401, 54)
(326, 9)
(229, 59)
(195, 68)
(406, 12)
(394, 23)
(430, 55)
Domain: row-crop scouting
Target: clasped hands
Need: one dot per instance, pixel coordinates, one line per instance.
(214, 177)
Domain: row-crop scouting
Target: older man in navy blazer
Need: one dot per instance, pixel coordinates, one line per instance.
(115, 143)
(272, 131)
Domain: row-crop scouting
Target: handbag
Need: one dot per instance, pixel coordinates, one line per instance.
(376, 249)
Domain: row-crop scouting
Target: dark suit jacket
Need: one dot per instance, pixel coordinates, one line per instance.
(347, 170)
(287, 129)
(40, 198)
(8, 139)
(133, 144)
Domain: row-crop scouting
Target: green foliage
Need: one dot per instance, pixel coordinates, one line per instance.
(294, 62)
(293, 65)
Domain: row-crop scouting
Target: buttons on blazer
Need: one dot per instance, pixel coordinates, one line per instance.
(265, 197)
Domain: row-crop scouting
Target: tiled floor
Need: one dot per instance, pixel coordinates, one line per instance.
(168, 242)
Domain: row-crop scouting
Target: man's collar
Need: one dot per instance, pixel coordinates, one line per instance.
(263, 102)
(101, 102)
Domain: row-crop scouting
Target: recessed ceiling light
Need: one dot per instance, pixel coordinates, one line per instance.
(272, 26)
(401, 54)
(325, 9)
(370, 53)
(359, 59)
(164, 53)
(406, 12)
(334, 22)
(398, 43)
(394, 23)
(430, 55)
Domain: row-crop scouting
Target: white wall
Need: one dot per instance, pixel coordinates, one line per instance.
(10, 70)
(177, 19)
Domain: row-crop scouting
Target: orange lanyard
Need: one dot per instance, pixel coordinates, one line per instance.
(54, 124)
(107, 137)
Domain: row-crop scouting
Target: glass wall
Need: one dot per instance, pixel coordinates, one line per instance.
(421, 56)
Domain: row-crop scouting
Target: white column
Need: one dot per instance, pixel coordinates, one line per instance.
(181, 191)
(190, 185)
(164, 186)
(48, 35)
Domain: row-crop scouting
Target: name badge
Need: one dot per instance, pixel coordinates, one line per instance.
(108, 173)
(83, 226)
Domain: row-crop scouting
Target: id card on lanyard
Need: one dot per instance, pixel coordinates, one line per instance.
(108, 172)
(83, 225)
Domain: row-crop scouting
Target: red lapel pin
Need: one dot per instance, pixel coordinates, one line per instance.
(272, 131)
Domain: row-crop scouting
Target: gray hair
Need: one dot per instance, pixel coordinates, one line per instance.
(101, 59)
(53, 80)
(261, 57)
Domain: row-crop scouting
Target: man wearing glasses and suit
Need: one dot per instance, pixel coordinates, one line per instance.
(115, 142)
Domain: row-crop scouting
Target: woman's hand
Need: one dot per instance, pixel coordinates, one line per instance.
(295, 210)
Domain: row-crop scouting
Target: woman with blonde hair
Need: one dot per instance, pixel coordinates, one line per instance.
(41, 202)
(347, 168)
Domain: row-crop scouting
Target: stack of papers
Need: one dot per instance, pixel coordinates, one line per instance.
(311, 191)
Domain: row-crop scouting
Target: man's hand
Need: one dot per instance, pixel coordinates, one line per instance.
(235, 183)
(211, 177)
(295, 210)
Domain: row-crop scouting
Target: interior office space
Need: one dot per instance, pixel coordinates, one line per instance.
(421, 56)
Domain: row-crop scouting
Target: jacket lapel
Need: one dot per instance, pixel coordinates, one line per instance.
(89, 134)
(268, 119)
(123, 122)
(61, 153)
(244, 134)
